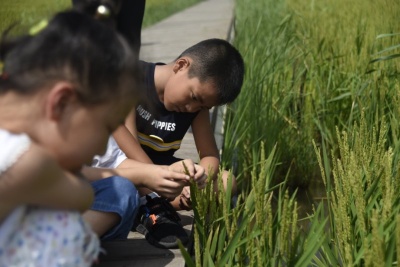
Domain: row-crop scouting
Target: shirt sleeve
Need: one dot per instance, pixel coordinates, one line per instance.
(12, 146)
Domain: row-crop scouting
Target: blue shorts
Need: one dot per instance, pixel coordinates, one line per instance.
(119, 195)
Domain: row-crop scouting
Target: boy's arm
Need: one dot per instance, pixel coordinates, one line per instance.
(37, 179)
(130, 124)
(167, 181)
(205, 143)
(126, 138)
(130, 145)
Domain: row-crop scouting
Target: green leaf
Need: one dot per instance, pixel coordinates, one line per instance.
(387, 35)
(188, 259)
(230, 250)
(385, 58)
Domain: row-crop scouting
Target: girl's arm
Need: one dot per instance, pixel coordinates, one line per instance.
(37, 179)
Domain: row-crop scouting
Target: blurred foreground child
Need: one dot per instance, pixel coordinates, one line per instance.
(57, 88)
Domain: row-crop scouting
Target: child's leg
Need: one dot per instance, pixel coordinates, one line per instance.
(114, 209)
(225, 176)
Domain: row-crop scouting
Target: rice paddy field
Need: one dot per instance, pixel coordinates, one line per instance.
(320, 104)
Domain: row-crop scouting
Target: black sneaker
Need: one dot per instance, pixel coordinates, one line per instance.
(160, 224)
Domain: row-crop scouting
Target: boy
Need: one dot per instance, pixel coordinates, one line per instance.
(111, 215)
(178, 96)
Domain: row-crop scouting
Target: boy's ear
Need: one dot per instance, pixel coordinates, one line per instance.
(61, 94)
(182, 63)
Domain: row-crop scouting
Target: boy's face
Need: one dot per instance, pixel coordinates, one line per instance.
(184, 94)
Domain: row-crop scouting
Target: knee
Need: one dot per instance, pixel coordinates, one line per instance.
(122, 185)
(226, 176)
(125, 190)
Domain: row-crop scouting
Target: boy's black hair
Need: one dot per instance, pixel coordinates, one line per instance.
(73, 47)
(217, 61)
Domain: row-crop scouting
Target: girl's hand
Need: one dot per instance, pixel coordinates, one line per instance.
(166, 183)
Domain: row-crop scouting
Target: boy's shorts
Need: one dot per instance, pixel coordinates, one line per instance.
(119, 195)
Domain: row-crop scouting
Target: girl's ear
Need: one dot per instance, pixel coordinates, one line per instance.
(60, 96)
(182, 63)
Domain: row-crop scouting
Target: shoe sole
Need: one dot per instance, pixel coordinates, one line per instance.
(141, 229)
(158, 244)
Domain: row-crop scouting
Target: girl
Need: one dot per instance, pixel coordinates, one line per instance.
(63, 91)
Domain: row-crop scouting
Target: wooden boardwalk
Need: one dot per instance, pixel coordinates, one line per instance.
(137, 252)
(163, 42)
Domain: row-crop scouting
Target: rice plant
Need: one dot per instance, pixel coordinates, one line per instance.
(261, 229)
(363, 199)
(320, 76)
(309, 68)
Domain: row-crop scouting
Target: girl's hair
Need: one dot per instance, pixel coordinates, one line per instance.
(73, 47)
(110, 9)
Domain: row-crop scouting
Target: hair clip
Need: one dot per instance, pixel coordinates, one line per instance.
(38, 27)
(103, 11)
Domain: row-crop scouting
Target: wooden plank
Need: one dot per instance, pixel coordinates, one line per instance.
(138, 252)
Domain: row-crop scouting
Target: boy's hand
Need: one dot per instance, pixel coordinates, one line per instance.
(195, 171)
(180, 167)
(200, 177)
(185, 202)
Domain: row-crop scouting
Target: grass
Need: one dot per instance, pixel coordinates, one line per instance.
(27, 14)
(156, 10)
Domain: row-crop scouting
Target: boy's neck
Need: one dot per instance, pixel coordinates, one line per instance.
(161, 75)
